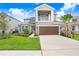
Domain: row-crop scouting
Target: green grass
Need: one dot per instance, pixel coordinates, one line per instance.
(76, 37)
(20, 43)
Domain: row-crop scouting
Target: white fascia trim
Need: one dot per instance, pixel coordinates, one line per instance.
(48, 25)
(43, 5)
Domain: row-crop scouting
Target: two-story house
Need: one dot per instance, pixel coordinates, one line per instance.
(45, 21)
(75, 22)
(12, 24)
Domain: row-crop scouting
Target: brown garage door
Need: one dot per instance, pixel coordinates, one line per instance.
(48, 30)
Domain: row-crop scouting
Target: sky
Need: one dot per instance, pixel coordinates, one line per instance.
(21, 11)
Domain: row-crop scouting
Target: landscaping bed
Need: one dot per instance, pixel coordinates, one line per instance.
(20, 43)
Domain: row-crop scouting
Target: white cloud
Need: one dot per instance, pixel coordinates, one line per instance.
(16, 11)
(66, 7)
(0, 11)
(60, 13)
(20, 13)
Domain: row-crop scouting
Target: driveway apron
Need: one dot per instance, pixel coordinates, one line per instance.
(56, 45)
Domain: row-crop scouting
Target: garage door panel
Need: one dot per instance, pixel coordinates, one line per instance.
(48, 30)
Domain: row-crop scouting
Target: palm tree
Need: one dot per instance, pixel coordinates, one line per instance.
(3, 22)
(67, 25)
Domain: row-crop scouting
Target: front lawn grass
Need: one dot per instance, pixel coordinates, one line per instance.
(76, 37)
(20, 43)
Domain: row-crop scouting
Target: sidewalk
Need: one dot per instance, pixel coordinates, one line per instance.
(20, 53)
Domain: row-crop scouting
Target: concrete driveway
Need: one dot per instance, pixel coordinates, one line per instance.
(55, 45)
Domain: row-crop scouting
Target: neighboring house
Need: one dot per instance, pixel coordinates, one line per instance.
(75, 22)
(45, 21)
(30, 24)
(13, 24)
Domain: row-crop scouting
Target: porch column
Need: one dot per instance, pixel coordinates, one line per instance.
(36, 15)
(52, 16)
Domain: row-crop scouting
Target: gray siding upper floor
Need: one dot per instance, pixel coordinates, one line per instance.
(29, 20)
(12, 24)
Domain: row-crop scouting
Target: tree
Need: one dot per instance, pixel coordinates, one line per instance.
(67, 25)
(3, 22)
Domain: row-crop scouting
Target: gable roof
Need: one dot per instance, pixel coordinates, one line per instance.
(44, 5)
(31, 18)
(11, 16)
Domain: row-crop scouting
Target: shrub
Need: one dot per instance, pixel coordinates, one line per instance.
(22, 34)
(14, 32)
(26, 31)
(5, 36)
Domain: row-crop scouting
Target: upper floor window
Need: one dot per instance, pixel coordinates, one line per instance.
(11, 29)
(26, 26)
(74, 20)
(22, 27)
(9, 19)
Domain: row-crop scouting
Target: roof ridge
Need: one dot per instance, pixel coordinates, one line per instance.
(10, 16)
